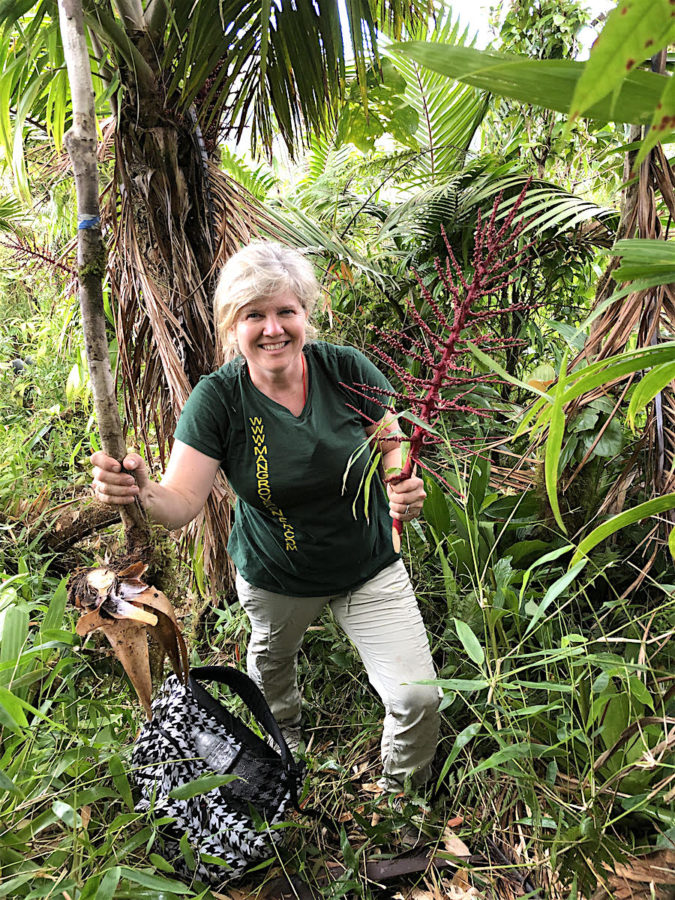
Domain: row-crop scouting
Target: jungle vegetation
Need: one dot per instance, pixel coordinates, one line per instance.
(376, 137)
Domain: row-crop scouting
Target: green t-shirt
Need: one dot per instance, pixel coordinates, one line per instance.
(295, 529)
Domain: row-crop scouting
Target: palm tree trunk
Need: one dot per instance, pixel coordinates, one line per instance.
(81, 144)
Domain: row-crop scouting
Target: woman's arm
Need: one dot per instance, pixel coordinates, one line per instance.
(406, 498)
(173, 502)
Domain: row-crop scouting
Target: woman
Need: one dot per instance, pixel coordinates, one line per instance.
(281, 421)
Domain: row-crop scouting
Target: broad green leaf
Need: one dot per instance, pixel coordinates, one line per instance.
(67, 814)
(616, 523)
(467, 685)
(489, 363)
(640, 692)
(200, 785)
(366, 484)
(470, 642)
(11, 10)
(462, 739)
(160, 863)
(219, 861)
(645, 258)
(480, 476)
(671, 543)
(187, 851)
(663, 122)
(602, 373)
(556, 432)
(651, 385)
(515, 751)
(154, 882)
(449, 580)
(8, 888)
(120, 780)
(554, 591)
(436, 512)
(549, 83)
(14, 634)
(634, 31)
(610, 443)
(614, 720)
(411, 417)
(574, 337)
(57, 605)
(108, 884)
(547, 558)
(11, 711)
(535, 710)
(6, 784)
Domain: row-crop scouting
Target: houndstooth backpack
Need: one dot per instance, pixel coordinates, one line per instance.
(229, 827)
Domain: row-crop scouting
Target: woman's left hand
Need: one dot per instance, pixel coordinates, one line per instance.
(406, 498)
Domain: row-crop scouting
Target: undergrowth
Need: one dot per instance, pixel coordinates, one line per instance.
(555, 762)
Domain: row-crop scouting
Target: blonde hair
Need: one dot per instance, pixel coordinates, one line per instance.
(260, 270)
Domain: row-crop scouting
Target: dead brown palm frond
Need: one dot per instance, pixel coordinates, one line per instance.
(649, 877)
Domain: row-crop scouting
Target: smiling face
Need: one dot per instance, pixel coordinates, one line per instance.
(270, 333)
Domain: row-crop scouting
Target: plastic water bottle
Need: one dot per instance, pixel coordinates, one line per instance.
(216, 753)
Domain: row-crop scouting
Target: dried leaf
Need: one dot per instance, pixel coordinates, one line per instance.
(120, 609)
(167, 632)
(135, 570)
(129, 641)
(461, 880)
(89, 622)
(658, 868)
(372, 788)
(453, 844)
(129, 588)
(459, 892)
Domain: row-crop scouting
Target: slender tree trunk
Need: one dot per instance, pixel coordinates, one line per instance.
(81, 145)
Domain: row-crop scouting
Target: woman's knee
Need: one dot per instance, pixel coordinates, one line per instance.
(414, 702)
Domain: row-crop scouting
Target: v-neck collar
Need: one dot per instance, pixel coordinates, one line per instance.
(302, 415)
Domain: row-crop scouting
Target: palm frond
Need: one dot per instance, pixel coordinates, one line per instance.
(293, 227)
(259, 181)
(269, 66)
(11, 214)
(449, 115)
(454, 204)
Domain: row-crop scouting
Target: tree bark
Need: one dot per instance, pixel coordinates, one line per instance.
(81, 144)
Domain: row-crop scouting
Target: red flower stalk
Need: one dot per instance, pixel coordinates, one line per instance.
(443, 353)
(27, 252)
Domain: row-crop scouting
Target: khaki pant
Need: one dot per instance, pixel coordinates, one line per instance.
(383, 621)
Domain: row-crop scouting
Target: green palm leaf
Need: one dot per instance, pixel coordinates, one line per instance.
(550, 83)
(548, 207)
(11, 214)
(449, 115)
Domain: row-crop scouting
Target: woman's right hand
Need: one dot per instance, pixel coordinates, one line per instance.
(113, 486)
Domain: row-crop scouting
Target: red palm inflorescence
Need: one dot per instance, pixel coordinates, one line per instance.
(446, 379)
